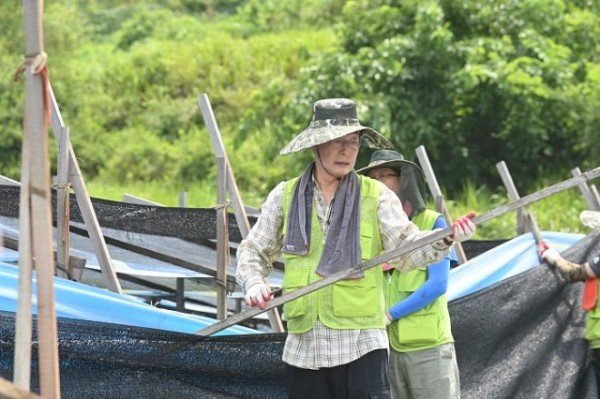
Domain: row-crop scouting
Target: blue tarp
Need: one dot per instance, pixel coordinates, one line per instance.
(505, 260)
(84, 302)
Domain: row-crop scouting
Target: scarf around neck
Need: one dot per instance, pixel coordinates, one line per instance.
(342, 247)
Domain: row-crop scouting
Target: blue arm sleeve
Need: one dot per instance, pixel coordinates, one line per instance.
(433, 288)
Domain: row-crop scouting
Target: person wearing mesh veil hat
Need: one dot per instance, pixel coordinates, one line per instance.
(326, 220)
(589, 272)
(422, 360)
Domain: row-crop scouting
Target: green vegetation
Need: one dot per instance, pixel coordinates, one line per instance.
(476, 81)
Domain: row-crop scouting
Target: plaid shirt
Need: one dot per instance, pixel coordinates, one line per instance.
(323, 346)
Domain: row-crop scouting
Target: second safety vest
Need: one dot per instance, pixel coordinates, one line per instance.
(428, 327)
(348, 304)
(592, 327)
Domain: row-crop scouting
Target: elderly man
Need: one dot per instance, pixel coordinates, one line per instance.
(327, 220)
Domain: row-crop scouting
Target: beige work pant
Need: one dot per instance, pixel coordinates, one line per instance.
(425, 374)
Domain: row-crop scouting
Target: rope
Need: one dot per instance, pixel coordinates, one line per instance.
(37, 65)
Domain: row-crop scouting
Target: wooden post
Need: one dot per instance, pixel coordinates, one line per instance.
(86, 207)
(222, 238)
(62, 205)
(513, 195)
(590, 197)
(234, 194)
(38, 196)
(182, 199)
(441, 207)
(596, 195)
(10, 391)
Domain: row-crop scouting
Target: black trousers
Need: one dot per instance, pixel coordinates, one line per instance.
(366, 377)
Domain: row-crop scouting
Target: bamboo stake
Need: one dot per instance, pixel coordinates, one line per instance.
(234, 194)
(398, 252)
(40, 218)
(432, 183)
(513, 195)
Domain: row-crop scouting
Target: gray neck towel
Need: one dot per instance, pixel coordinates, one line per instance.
(342, 247)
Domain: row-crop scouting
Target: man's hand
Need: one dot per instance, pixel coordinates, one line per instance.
(462, 229)
(548, 253)
(258, 295)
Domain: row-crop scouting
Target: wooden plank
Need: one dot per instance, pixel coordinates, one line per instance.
(398, 252)
(236, 199)
(222, 239)
(11, 391)
(5, 181)
(438, 197)
(513, 195)
(588, 195)
(35, 130)
(596, 195)
(86, 207)
(132, 199)
(22, 358)
(62, 205)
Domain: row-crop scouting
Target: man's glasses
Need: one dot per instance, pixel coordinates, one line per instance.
(340, 144)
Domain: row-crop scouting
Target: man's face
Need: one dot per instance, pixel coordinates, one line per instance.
(387, 176)
(339, 155)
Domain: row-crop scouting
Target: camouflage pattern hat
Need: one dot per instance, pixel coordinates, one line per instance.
(332, 119)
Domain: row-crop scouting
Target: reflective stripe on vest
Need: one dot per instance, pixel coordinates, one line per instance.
(348, 304)
(428, 327)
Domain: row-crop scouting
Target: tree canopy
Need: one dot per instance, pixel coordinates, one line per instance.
(475, 81)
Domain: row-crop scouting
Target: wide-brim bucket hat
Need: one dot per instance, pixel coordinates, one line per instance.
(388, 159)
(334, 118)
(591, 219)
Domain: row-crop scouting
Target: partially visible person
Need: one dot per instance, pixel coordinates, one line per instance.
(589, 272)
(422, 357)
(324, 221)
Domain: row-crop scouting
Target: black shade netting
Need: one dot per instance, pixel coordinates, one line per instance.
(520, 338)
(191, 224)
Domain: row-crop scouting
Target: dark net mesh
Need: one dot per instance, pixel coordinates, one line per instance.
(520, 338)
(474, 248)
(191, 224)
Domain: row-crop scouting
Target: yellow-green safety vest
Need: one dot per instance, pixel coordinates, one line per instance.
(428, 327)
(348, 304)
(592, 327)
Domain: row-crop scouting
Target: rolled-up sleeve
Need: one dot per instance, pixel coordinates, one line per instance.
(396, 230)
(262, 246)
